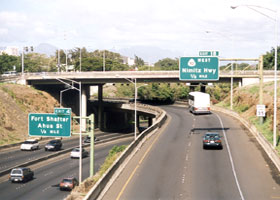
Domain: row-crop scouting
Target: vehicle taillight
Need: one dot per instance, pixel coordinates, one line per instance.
(205, 140)
(218, 141)
(22, 177)
(195, 108)
(209, 108)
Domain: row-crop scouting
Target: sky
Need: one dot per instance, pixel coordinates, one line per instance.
(182, 27)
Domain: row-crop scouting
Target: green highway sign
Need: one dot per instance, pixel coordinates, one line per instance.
(199, 68)
(62, 111)
(49, 125)
(208, 53)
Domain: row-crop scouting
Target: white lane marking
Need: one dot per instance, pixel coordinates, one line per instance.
(187, 157)
(49, 173)
(183, 178)
(231, 160)
(189, 144)
(44, 190)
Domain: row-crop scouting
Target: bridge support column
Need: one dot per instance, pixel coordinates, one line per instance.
(100, 120)
(150, 121)
(138, 122)
(240, 83)
(85, 95)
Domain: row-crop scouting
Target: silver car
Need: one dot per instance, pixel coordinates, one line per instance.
(75, 153)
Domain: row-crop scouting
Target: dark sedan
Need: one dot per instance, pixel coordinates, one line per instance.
(87, 139)
(53, 145)
(212, 140)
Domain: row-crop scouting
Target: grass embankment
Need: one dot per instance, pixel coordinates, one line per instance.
(245, 100)
(16, 102)
(81, 191)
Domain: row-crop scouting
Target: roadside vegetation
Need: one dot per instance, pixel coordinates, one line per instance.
(80, 191)
(245, 100)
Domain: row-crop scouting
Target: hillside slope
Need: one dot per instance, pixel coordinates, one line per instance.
(245, 100)
(16, 102)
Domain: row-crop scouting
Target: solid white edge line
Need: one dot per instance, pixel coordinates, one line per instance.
(230, 157)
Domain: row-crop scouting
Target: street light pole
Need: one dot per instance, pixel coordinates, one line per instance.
(135, 108)
(252, 7)
(135, 105)
(60, 101)
(80, 112)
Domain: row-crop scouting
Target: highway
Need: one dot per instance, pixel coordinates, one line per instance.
(173, 165)
(14, 156)
(47, 176)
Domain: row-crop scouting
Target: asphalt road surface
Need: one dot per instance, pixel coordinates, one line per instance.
(173, 165)
(14, 156)
(44, 186)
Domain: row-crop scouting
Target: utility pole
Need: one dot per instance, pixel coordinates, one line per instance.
(261, 84)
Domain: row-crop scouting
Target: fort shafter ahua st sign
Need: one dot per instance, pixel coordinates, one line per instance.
(49, 125)
(199, 68)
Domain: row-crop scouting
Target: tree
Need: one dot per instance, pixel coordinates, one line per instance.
(7, 63)
(157, 92)
(268, 59)
(167, 64)
(139, 61)
(35, 62)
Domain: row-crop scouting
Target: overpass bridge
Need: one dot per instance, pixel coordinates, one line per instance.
(96, 78)
(52, 82)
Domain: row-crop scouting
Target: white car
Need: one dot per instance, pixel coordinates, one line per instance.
(75, 153)
(30, 145)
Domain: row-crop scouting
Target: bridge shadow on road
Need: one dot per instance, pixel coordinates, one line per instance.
(204, 130)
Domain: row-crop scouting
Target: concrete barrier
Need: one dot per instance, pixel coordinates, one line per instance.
(102, 182)
(267, 146)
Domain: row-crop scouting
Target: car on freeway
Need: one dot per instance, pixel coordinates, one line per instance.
(75, 153)
(21, 174)
(68, 183)
(87, 139)
(212, 140)
(53, 145)
(30, 144)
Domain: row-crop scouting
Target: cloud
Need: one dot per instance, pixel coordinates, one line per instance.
(12, 19)
(169, 24)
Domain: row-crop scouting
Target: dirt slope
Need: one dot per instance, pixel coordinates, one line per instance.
(16, 101)
(246, 98)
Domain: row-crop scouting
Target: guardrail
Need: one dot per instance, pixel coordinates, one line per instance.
(103, 181)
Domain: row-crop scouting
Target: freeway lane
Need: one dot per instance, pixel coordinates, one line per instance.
(45, 183)
(173, 164)
(14, 156)
(10, 158)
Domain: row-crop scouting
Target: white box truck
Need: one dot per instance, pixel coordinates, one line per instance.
(199, 102)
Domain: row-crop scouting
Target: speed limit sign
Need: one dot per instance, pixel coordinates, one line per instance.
(260, 110)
